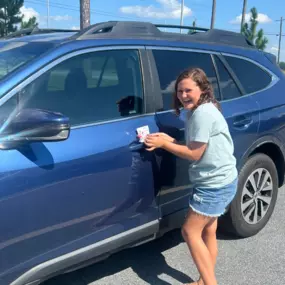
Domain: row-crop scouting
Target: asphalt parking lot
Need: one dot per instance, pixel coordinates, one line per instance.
(256, 260)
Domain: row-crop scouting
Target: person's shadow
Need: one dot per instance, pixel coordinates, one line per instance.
(147, 261)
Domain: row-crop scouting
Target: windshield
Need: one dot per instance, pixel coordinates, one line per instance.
(15, 54)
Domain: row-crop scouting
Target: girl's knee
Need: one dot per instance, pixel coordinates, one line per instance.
(185, 232)
(189, 233)
(210, 230)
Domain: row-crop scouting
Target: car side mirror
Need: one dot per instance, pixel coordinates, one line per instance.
(33, 125)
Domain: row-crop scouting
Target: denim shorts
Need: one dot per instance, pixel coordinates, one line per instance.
(212, 202)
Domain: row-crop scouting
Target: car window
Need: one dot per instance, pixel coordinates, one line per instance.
(95, 69)
(171, 63)
(88, 88)
(228, 87)
(101, 72)
(254, 79)
(14, 54)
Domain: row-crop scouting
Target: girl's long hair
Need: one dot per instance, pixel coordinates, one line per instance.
(202, 81)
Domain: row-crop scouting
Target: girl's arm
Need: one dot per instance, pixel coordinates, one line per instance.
(194, 151)
(199, 131)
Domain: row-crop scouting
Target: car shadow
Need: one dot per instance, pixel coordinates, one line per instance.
(146, 260)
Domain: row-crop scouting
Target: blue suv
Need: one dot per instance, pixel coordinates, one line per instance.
(76, 185)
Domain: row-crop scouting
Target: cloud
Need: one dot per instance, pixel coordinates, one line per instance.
(274, 50)
(29, 13)
(61, 18)
(75, 28)
(261, 18)
(169, 9)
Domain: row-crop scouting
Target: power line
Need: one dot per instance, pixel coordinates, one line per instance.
(276, 34)
(67, 6)
(74, 8)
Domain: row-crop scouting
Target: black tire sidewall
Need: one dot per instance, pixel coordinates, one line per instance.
(240, 226)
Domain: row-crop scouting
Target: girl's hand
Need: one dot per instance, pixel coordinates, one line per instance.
(153, 142)
(163, 136)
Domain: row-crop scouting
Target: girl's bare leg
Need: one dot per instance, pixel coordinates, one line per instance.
(209, 237)
(192, 231)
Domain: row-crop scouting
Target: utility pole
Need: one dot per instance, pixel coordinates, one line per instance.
(47, 13)
(181, 17)
(280, 37)
(213, 14)
(243, 14)
(84, 13)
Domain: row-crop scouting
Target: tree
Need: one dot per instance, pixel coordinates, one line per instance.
(10, 15)
(32, 22)
(282, 65)
(191, 31)
(250, 31)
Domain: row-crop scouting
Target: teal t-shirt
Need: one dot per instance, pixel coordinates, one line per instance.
(217, 166)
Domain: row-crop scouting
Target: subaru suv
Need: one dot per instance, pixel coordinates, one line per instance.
(76, 184)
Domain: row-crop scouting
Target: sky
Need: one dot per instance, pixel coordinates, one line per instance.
(65, 14)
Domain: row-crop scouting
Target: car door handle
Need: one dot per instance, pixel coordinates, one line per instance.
(135, 146)
(242, 122)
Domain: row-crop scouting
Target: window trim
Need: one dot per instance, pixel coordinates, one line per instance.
(218, 77)
(274, 77)
(16, 89)
(233, 77)
(181, 49)
(221, 54)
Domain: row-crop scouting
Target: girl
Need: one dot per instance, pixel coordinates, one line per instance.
(212, 170)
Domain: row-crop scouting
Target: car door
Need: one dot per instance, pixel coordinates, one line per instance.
(241, 113)
(60, 198)
(174, 193)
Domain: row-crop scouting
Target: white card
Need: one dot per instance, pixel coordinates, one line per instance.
(142, 132)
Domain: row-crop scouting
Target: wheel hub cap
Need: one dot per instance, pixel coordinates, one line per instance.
(256, 196)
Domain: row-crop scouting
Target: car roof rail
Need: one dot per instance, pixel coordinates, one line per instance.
(215, 34)
(36, 30)
(121, 28)
(147, 30)
(193, 28)
(129, 28)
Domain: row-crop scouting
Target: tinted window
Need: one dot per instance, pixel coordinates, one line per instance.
(171, 63)
(88, 88)
(251, 76)
(228, 87)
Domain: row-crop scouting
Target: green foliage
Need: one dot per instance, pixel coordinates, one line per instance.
(250, 31)
(10, 15)
(282, 65)
(191, 31)
(32, 22)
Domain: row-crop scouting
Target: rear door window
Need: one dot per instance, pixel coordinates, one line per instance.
(171, 63)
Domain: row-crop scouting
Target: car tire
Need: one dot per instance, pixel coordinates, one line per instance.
(255, 199)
